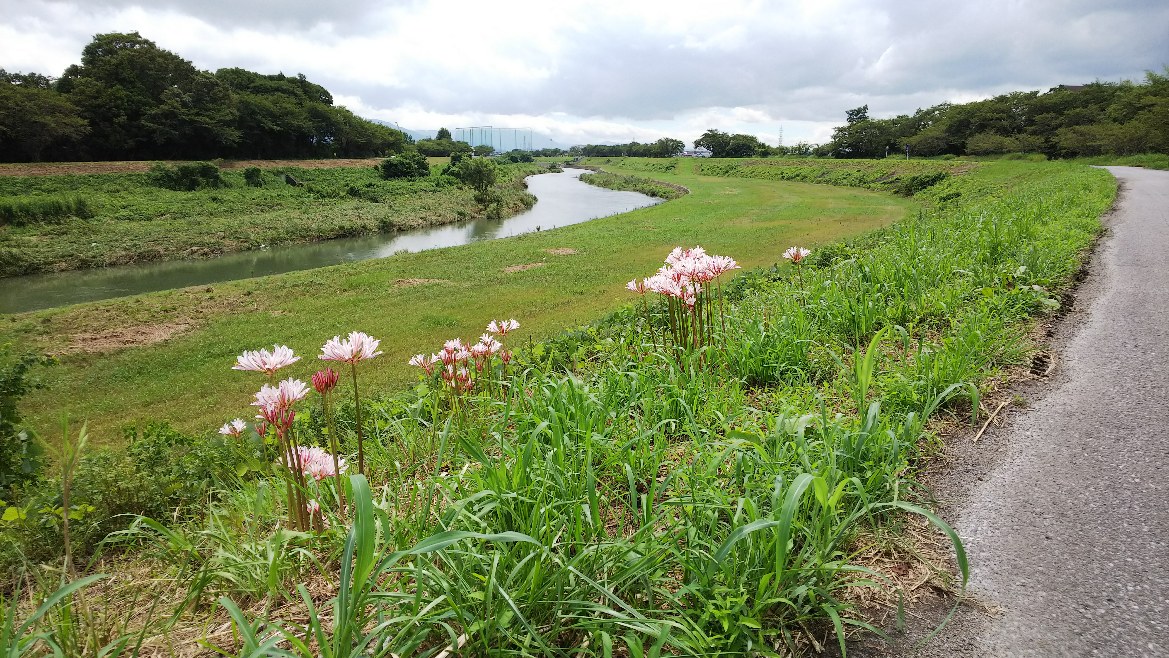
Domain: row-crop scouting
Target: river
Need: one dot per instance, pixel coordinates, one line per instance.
(562, 200)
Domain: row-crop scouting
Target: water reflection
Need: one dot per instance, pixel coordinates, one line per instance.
(562, 200)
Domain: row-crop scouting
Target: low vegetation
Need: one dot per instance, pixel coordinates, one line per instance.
(198, 210)
(625, 182)
(621, 488)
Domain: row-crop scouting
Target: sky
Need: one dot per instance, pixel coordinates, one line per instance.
(614, 71)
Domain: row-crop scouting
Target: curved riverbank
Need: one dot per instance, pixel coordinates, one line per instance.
(561, 201)
(128, 220)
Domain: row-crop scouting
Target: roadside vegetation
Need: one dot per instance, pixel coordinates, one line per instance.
(197, 210)
(691, 474)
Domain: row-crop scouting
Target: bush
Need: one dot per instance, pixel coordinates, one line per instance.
(20, 454)
(910, 185)
(478, 173)
(254, 177)
(18, 212)
(186, 177)
(411, 164)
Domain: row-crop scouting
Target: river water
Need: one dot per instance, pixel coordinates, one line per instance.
(562, 200)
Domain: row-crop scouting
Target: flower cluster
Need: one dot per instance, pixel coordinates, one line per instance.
(685, 274)
(357, 347)
(234, 429)
(462, 364)
(265, 361)
(686, 282)
(317, 463)
(275, 402)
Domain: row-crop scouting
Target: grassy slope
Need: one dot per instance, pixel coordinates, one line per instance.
(187, 379)
(135, 221)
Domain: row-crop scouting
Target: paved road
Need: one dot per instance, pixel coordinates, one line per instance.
(1068, 526)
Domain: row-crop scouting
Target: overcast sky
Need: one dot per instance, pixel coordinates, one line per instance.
(613, 71)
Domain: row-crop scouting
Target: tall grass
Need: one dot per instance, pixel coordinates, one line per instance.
(605, 498)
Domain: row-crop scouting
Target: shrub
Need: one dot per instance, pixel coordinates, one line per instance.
(910, 185)
(254, 177)
(20, 454)
(18, 212)
(479, 174)
(411, 164)
(187, 176)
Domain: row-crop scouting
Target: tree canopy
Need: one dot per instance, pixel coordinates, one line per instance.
(1099, 118)
(128, 99)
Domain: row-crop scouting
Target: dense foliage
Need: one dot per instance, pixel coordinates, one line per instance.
(665, 147)
(128, 99)
(1100, 118)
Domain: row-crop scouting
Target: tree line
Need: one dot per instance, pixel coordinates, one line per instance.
(1099, 118)
(128, 99)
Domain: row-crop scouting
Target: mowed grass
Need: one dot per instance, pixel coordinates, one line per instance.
(548, 281)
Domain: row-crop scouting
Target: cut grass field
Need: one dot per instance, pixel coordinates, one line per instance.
(166, 356)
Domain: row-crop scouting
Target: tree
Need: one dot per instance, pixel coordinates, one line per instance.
(33, 119)
(443, 133)
(666, 148)
(478, 173)
(483, 150)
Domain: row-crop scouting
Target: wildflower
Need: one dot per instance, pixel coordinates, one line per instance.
(487, 345)
(313, 507)
(796, 254)
(275, 402)
(319, 463)
(425, 362)
(265, 361)
(234, 429)
(359, 346)
(325, 380)
(502, 327)
(635, 286)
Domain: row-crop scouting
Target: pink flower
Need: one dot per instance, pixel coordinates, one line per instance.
(425, 362)
(357, 347)
(318, 462)
(234, 429)
(324, 380)
(502, 327)
(489, 344)
(796, 254)
(313, 507)
(275, 402)
(265, 361)
(634, 286)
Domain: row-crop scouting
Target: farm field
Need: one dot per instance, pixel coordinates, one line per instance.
(658, 481)
(120, 216)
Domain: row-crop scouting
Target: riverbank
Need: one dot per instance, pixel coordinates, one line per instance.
(124, 218)
(160, 356)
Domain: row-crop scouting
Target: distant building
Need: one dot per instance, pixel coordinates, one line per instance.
(700, 152)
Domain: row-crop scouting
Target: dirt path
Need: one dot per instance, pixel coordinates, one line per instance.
(1065, 509)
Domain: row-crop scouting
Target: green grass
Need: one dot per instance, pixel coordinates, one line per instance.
(455, 291)
(615, 496)
(66, 222)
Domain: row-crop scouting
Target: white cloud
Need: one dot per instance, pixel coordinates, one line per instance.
(610, 70)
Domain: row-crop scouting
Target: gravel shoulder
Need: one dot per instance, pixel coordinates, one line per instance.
(1064, 507)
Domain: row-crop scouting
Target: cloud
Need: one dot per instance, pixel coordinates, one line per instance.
(608, 70)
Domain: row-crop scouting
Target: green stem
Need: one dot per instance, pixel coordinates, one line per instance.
(357, 420)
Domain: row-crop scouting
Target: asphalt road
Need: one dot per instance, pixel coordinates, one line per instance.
(1065, 509)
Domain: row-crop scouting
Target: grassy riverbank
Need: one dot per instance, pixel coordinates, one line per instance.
(607, 494)
(160, 356)
(97, 220)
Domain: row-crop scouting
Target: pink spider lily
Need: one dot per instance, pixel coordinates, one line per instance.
(427, 363)
(502, 327)
(324, 381)
(319, 463)
(265, 361)
(797, 254)
(234, 429)
(359, 346)
(275, 402)
(636, 286)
